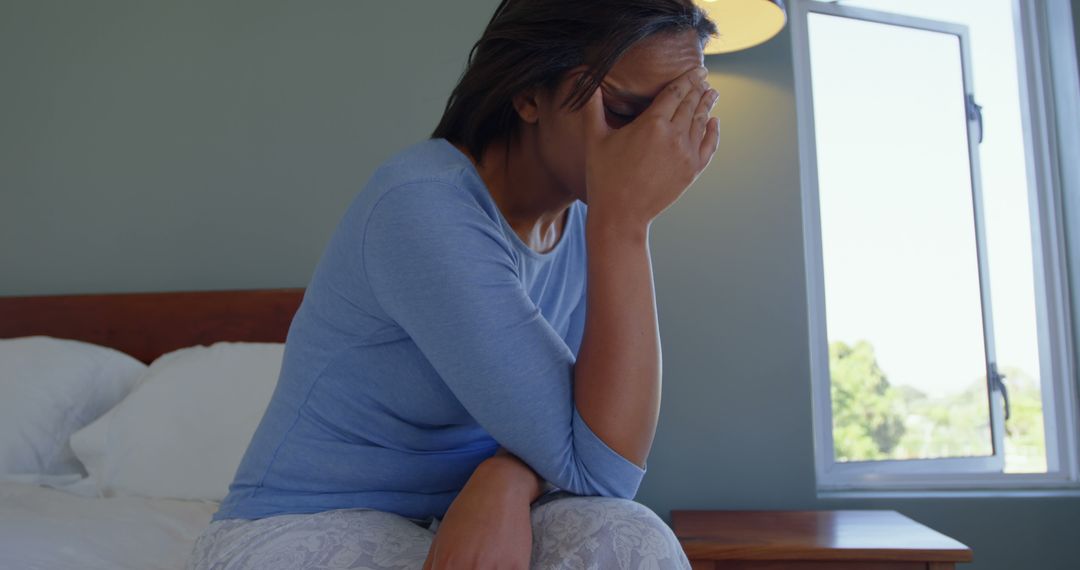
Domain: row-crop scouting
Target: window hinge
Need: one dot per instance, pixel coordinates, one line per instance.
(974, 113)
(997, 383)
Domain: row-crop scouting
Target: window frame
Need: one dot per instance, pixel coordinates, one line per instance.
(1050, 109)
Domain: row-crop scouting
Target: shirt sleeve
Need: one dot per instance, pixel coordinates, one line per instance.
(440, 267)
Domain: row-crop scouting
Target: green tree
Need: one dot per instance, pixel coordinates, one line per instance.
(874, 420)
(951, 425)
(868, 417)
(958, 424)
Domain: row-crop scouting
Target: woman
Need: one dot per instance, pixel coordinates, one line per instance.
(443, 372)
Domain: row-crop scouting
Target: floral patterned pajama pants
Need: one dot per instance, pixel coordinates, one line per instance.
(569, 532)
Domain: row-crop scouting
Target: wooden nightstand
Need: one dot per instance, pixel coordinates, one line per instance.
(813, 540)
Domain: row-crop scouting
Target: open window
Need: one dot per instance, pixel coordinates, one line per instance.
(939, 323)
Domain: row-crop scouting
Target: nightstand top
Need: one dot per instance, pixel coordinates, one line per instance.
(812, 535)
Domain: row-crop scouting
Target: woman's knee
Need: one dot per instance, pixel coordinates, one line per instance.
(602, 532)
(351, 538)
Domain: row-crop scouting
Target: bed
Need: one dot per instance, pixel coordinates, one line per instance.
(115, 447)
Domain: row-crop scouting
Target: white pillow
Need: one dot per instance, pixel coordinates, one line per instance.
(49, 388)
(182, 432)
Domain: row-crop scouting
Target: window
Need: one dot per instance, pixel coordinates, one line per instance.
(939, 314)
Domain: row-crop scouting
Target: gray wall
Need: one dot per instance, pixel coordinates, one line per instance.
(151, 147)
(161, 146)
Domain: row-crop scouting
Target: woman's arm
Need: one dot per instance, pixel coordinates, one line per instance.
(617, 376)
(506, 465)
(489, 524)
(633, 174)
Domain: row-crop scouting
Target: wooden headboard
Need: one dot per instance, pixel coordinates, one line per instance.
(147, 325)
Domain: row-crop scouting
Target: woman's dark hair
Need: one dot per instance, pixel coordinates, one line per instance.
(534, 42)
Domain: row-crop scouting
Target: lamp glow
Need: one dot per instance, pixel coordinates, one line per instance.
(743, 24)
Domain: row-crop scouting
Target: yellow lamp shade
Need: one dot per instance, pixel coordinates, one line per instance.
(743, 24)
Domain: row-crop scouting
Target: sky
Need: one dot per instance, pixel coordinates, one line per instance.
(896, 195)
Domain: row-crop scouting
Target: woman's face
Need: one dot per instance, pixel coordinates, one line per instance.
(628, 88)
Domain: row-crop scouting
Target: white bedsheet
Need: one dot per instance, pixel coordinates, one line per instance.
(51, 529)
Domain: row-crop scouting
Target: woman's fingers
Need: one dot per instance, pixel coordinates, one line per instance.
(701, 115)
(709, 142)
(684, 114)
(665, 104)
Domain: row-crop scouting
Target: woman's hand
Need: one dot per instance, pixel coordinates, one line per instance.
(637, 171)
(489, 524)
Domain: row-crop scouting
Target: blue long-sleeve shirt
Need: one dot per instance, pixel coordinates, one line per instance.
(428, 336)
